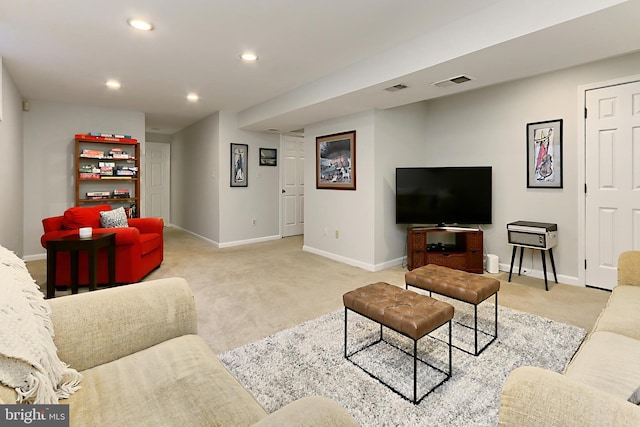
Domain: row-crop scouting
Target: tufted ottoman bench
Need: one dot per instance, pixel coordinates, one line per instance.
(460, 285)
(406, 312)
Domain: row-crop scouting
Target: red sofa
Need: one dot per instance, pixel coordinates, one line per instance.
(139, 247)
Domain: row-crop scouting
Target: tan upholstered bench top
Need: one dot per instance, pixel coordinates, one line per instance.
(463, 286)
(407, 312)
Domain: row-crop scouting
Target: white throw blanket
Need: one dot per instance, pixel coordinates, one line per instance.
(28, 356)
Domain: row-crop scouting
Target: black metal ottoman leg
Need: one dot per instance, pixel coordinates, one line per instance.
(450, 348)
(415, 370)
(496, 318)
(345, 332)
(475, 326)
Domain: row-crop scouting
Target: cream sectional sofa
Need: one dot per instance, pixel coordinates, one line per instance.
(602, 375)
(143, 365)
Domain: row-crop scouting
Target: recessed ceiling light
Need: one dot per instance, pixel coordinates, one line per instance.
(113, 84)
(249, 57)
(140, 24)
(193, 97)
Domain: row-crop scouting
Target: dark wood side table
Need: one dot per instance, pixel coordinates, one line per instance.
(74, 244)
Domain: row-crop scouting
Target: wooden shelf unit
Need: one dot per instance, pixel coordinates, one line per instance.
(452, 247)
(107, 183)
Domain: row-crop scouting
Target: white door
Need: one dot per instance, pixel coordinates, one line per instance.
(292, 178)
(612, 150)
(157, 190)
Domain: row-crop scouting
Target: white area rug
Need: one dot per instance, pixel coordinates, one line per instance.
(309, 360)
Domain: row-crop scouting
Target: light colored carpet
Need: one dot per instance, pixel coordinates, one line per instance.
(249, 292)
(309, 360)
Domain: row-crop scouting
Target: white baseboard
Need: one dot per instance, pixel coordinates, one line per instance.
(539, 274)
(229, 244)
(36, 257)
(353, 262)
(249, 241)
(211, 242)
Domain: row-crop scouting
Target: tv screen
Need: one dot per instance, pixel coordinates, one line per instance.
(443, 195)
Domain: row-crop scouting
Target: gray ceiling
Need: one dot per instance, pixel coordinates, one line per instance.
(318, 59)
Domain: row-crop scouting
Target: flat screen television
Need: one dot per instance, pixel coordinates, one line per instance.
(443, 195)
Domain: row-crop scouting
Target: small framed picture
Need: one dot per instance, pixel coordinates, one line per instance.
(544, 154)
(268, 157)
(336, 161)
(239, 155)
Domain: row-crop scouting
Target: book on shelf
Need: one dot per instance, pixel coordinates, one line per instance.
(121, 194)
(85, 175)
(92, 154)
(132, 211)
(125, 172)
(118, 153)
(106, 168)
(110, 135)
(123, 140)
(88, 169)
(98, 195)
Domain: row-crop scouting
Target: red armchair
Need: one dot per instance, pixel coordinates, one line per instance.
(139, 247)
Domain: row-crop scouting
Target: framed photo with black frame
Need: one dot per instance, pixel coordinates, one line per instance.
(268, 157)
(238, 166)
(544, 154)
(336, 161)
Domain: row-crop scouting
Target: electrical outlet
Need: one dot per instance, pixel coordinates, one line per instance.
(253, 221)
(337, 234)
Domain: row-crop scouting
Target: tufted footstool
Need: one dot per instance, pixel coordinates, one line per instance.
(406, 312)
(460, 285)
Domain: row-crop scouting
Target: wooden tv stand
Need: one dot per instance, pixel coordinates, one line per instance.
(453, 247)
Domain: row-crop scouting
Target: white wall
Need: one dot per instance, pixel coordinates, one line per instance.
(365, 218)
(351, 213)
(202, 201)
(488, 126)
(400, 138)
(11, 178)
(194, 178)
(259, 200)
(482, 127)
(49, 129)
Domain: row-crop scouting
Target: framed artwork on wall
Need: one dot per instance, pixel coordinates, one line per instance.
(544, 154)
(239, 155)
(336, 161)
(268, 157)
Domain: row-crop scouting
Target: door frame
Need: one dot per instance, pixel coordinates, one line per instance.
(166, 168)
(281, 177)
(582, 165)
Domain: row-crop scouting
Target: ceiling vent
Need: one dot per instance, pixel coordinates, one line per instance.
(397, 87)
(452, 81)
